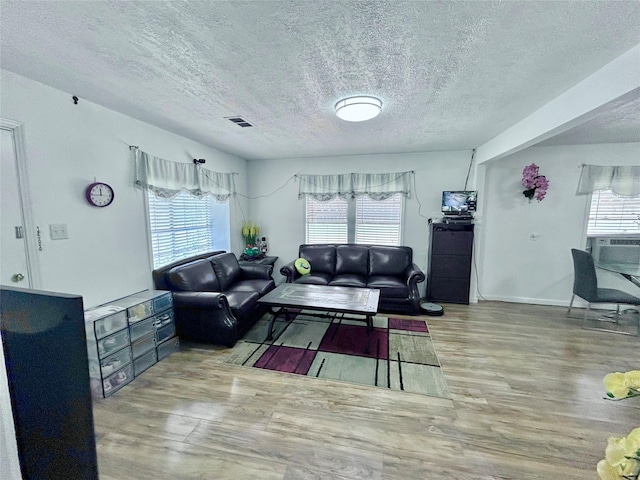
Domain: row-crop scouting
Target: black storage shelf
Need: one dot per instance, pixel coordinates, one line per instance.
(449, 272)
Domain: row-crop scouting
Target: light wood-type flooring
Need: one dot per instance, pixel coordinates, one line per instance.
(527, 404)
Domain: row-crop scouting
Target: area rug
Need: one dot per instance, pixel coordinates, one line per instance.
(398, 354)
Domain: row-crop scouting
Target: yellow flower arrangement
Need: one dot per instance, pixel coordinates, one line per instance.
(622, 385)
(250, 233)
(622, 455)
(622, 458)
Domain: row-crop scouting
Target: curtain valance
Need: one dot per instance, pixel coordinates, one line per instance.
(166, 179)
(621, 180)
(378, 186)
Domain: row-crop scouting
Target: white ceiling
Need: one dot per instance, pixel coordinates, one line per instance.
(451, 74)
(617, 122)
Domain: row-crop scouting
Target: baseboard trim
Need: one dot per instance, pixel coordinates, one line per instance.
(532, 301)
(577, 303)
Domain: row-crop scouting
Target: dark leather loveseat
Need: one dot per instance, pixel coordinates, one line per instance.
(214, 297)
(387, 268)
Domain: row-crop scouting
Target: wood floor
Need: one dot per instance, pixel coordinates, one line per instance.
(527, 404)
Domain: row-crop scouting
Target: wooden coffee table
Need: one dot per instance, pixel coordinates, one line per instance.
(357, 301)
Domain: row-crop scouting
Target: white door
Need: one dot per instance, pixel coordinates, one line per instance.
(13, 254)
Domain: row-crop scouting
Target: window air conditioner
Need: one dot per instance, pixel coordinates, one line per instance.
(616, 250)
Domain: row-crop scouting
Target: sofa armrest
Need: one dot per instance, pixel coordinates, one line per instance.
(290, 272)
(414, 275)
(201, 300)
(257, 271)
(205, 317)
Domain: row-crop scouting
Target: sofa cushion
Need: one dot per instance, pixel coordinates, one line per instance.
(315, 278)
(227, 269)
(352, 259)
(389, 260)
(349, 280)
(321, 257)
(159, 275)
(252, 285)
(196, 276)
(390, 286)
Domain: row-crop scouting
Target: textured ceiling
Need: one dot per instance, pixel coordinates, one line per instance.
(451, 74)
(617, 122)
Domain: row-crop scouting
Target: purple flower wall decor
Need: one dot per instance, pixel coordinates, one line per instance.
(535, 185)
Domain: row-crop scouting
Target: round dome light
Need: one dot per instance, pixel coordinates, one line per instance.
(358, 109)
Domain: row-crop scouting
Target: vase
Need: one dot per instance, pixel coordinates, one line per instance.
(529, 193)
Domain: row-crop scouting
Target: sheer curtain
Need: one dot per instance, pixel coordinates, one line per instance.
(166, 179)
(621, 180)
(379, 186)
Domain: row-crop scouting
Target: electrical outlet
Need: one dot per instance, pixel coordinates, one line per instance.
(58, 231)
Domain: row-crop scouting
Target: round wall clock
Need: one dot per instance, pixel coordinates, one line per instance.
(99, 194)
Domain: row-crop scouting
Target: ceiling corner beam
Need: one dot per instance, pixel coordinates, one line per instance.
(575, 106)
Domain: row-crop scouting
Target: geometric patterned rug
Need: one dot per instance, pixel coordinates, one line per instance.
(400, 354)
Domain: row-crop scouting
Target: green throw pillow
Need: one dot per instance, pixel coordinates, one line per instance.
(302, 266)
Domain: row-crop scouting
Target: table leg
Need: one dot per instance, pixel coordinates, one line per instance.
(632, 278)
(274, 315)
(367, 349)
(270, 332)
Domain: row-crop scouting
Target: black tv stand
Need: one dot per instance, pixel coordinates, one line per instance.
(449, 272)
(457, 219)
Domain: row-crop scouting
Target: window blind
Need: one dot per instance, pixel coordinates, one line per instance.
(326, 222)
(378, 221)
(613, 215)
(184, 225)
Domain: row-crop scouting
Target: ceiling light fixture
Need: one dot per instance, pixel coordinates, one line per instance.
(358, 109)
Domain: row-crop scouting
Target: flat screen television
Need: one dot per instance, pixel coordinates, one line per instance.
(459, 202)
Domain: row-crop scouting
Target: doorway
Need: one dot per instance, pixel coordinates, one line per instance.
(19, 261)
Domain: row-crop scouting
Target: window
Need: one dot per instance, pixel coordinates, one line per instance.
(613, 215)
(378, 221)
(362, 220)
(186, 225)
(327, 222)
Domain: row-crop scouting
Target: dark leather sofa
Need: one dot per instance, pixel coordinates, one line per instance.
(387, 268)
(214, 297)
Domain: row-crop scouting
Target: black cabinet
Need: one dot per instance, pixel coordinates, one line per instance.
(449, 273)
(48, 378)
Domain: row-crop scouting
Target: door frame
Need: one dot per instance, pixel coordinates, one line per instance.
(34, 270)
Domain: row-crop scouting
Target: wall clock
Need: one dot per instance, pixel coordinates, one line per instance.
(99, 194)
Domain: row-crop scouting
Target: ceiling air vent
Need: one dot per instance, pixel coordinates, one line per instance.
(239, 121)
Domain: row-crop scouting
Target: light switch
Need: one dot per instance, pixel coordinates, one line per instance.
(58, 231)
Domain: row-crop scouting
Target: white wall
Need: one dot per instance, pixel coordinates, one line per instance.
(67, 146)
(514, 266)
(107, 257)
(281, 214)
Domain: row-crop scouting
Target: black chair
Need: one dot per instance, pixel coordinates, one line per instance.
(585, 286)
